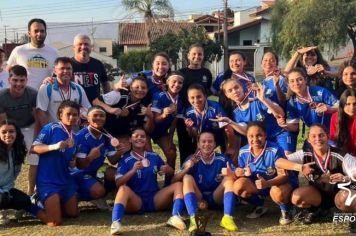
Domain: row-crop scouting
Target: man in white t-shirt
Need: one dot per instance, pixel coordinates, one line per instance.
(35, 56)
(4, 75)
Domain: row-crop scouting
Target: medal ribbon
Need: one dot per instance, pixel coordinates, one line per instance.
(61, 93)
(200, 117)
(256, 158)
(325, 167)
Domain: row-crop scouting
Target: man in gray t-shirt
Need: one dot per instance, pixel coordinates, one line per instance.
(18, 103)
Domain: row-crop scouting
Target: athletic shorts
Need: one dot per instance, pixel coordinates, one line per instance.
(209, 198)
(148, 204)
(286, 140)
(65, 192)
(84, 183)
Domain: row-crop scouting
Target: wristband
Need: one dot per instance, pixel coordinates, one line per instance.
(54, 147)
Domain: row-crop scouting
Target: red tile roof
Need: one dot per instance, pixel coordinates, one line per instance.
(134, 33)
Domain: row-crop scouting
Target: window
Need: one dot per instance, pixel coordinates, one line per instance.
(247, 42)
(102, 49)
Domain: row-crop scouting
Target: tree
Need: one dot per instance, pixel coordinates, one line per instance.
(134, 61)
(152, 11)
(212, 50)
(298, 23)
(173, 44)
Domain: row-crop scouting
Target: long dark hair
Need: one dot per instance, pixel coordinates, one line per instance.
(227, 104)
(19, 149)
(300, 71)
(342, 131)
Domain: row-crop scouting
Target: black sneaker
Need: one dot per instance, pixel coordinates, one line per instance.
(310, 216)
(299, 214)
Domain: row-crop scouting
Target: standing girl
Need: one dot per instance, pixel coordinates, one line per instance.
(166, 107)
(194, 73)
(343, 123)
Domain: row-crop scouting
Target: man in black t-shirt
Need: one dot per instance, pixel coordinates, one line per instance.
(88, 72)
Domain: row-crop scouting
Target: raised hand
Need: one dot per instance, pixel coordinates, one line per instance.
(306, 49)
(307, 168)
(95, 152)
(137, 166)
(188, 122)
(261, 183)
(122, 83)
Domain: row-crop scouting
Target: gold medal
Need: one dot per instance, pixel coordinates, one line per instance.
(145, 163)
(114, 142)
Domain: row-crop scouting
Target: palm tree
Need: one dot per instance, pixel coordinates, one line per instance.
(151, 10)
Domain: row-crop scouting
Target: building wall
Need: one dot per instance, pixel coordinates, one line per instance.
(103, 43)
(252, 34)
(241, 17)
(129, 48)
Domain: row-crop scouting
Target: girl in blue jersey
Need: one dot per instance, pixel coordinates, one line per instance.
(94, 145)
(127, 110)
(311, 104)
(259, 177)
(202, 182)
(156, 78)
(138, 191)
(166, 107)
(262, 109)
(56, 146)
(237, 63)
(275, 83)
(200, 118)
(12, 154)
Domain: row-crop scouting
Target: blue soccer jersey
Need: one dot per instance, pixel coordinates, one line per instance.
(264, 164)
(208, 175)
(160, 101)
(244, 79)
(153, 86)
(203, 123)
(299, 109)
(144, 182)
(257, 111)
(270, 89)
(87, 141)
(53, 165)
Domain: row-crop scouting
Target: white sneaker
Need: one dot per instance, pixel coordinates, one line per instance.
(176, 222)
(3, 217)
(115, 228)
(257, 212)
(101, 204)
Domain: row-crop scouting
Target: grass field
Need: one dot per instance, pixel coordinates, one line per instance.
(92, 222)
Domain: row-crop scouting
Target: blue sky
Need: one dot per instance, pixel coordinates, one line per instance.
(14, 14)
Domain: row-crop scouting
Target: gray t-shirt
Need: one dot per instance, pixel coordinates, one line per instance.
(19, 109)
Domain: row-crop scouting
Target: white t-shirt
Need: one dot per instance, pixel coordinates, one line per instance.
(57, 96)
(39, 62)
(4, 79)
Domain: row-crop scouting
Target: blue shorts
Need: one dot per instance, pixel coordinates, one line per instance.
(84, 182)
(209, 198)
(65, 192)
(148, 204)
(286, 140)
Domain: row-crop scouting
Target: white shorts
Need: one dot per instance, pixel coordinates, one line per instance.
(32, 159)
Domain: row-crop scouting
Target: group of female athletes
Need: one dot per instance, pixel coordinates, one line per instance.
(255, 125)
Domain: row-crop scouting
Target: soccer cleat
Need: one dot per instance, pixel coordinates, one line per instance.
(285, 218)
(193, 224)
(101, 204)
(176, 222)
(115, 228)
(227, 222)
(257, 212)
(36, 200)
(3, 217)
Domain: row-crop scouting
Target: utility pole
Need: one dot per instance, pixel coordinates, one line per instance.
(226, 50)
(5, 40)
(219, 26)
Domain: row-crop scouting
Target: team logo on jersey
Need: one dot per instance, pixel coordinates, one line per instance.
(218, 178)
(269, 92)
(37, 61)
(271, 171)
(259, 117)
(320, 93)
(200, 179)
(205, 79)
(155, 170)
